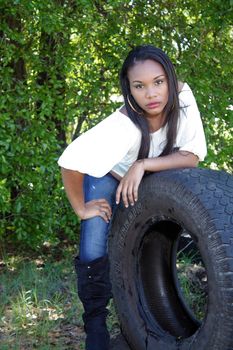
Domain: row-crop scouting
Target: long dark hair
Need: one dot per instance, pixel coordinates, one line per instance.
(171, 110)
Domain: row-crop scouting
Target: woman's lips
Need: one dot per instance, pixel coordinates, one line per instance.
(153, 105)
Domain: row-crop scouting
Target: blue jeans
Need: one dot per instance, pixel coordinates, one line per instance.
(94, 231)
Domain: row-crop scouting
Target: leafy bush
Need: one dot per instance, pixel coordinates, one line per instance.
(59, 72)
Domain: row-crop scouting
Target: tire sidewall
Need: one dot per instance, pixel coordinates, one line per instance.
(158, 201)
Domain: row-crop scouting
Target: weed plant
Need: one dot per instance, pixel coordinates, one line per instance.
(39, 307)
(193, 283)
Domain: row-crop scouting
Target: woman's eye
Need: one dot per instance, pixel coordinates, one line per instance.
(139, 86)
(159, 82)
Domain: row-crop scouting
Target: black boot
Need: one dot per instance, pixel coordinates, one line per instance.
(94, 290)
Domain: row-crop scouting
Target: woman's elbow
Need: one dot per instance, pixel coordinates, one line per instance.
(194, 160)
(191, 160)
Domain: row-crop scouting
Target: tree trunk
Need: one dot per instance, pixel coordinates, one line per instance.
(48, 46)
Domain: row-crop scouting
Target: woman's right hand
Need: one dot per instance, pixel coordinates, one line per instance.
(73, 183)
(96, 207)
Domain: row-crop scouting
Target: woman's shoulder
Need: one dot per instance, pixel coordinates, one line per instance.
(118, 123)
(180, 86)
(123, 110)
(120, 116)
(183, 87)
(186, 95)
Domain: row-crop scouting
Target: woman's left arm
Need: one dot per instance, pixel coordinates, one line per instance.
(128, 187)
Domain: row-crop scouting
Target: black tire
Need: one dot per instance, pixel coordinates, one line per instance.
(142, 242)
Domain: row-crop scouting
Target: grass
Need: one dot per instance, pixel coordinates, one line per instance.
(39, 307)
(193, 283)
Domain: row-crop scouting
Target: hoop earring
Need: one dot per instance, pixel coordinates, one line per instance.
(132, 106)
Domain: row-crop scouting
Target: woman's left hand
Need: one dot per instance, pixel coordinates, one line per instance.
(128, 187)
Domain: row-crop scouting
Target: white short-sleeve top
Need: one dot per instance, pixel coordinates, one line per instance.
(113, 144)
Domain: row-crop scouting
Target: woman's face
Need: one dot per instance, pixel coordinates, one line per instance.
(149, 87)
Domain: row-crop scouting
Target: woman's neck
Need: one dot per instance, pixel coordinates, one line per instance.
(155, 123)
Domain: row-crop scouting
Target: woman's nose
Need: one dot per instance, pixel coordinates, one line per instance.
(151, 92)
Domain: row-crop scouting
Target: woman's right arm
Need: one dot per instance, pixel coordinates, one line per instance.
(73, 184)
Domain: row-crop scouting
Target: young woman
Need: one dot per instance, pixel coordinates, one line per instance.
(158, 128)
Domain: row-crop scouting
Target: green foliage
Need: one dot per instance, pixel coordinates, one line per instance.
(39, 303)
(192, 278)
(59, 69)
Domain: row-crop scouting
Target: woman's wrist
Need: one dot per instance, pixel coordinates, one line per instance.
(79, 211)
(150, 164)
(141, 162)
